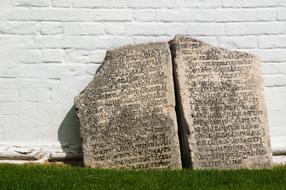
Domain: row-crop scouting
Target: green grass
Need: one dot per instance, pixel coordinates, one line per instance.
(38, 177)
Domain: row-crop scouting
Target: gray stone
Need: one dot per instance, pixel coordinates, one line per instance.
(223, 116)
(127, 112)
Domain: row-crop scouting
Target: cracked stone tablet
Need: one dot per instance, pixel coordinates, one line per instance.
(222, 110)
(127, 112)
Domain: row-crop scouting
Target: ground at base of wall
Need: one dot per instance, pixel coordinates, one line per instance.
(31, 176)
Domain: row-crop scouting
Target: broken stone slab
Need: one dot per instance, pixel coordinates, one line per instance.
(127, 112)
(223, 116)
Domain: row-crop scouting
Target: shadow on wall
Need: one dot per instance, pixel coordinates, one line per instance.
(69, 136)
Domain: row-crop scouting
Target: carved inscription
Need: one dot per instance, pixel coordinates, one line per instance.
(222, 106)
(127, 112)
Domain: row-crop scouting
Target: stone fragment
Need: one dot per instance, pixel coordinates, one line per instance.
(127, 112)
(222, 110)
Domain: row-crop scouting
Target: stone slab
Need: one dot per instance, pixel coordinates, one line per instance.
(222, 108)
(127, 112)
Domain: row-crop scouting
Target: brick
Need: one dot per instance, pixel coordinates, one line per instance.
(144, 14)
(275, 96)
(100, 4)
(15, 27)
(9, 108)
(89, 42)
(68, 88)
(205, 29)
(235, 15)
(281, 13)
(145, 3)
(101, 15)
(202, 3)
(18, 41)
(49, 71)
(97, 56)
(76, 28)
(235, 29)
(270, 68)
(265, 28)
(270, 55)
(52, 14)
(238, 42)
(255, 28)
(259, 3)
(49, 42)
(9, 95)
(52, 55)
(8, 70)
(8, 121)
(33, 90)
(142, 39)
(145, 29)
(30, 56)
(27, 119)
(62, 3)
(232, 3)
(282, 3)
(91, 69)
(5, 3)
(33, 71)
(46, 135)
(77, 56)
(192, 4)
(113, 28)
(8, 83)
(186, 15)
(272, 41)
(274, 80)
(274, 68)
(174, 4)
(51, 28)
(15, 14)
(282, 68)
(31, 3)
(175, 28)
(81, 42)
(266, 14)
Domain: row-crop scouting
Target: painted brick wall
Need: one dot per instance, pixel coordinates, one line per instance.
(50, 49)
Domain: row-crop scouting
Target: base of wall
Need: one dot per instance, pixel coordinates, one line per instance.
(53, 154)
(36, 154)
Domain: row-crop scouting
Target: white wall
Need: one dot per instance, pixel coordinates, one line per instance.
(50, 49)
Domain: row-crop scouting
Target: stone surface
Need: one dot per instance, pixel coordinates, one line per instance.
(222, 111)
(127, 112)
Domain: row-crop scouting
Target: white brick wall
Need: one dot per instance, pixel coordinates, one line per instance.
(50, 49)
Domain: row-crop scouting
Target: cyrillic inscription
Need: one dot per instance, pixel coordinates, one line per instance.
(221, 105)
(127, 112)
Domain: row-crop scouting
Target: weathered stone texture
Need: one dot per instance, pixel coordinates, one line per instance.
(222, 107)
(127, 112)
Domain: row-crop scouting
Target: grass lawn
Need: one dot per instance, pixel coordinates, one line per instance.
(38, 177)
